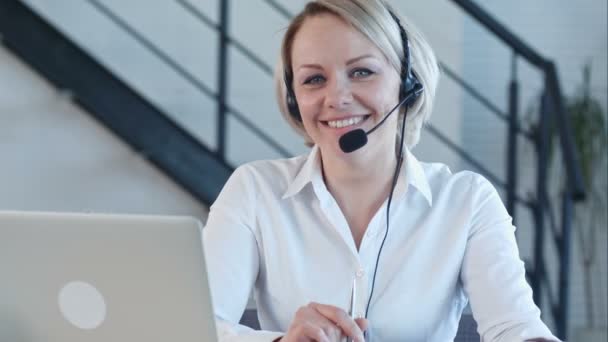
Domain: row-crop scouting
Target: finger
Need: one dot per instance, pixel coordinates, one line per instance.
(313, 316)
(309, 315)
(315, 333)
(341, 319)
(363, 323)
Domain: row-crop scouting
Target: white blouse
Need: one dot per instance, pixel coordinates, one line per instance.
(275, 229)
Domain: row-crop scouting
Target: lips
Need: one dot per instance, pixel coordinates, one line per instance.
(346, 123)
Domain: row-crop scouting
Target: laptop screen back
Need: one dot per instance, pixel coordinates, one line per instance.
(91, 277)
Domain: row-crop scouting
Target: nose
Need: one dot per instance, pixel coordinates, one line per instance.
(339, 94)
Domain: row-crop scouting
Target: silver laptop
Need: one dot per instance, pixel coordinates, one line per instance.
(92, 277)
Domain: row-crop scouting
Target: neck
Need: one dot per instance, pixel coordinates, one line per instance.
(360, 175)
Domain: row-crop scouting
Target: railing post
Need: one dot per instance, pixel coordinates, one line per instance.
(564, 241)
(543, 140)
(222, 80)
(512, 139)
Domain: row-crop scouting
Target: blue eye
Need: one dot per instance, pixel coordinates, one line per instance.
(316, 79)
(361, 73)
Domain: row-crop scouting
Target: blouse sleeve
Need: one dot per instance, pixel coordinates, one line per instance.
(232, 257)
(493, 274)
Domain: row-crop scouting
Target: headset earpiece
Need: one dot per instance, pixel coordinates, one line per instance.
(409, 80)
(290, 96)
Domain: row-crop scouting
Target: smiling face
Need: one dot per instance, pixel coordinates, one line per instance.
(342, 81)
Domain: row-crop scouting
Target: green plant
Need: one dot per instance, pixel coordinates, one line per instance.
(589, 127)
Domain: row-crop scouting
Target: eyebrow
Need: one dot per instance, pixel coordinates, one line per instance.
(356, 59)
(350, 61)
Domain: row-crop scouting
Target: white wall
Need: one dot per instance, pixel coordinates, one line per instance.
(56, 157)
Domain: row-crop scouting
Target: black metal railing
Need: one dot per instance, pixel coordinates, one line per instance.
(552, 110)
(224, 109)
(220, 96)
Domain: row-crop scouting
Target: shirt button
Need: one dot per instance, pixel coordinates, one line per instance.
(370, 233)
(360, 273)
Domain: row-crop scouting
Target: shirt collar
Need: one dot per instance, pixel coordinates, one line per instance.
(416, 177)
(310, 172)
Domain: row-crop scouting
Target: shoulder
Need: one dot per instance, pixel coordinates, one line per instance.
(273, 173)
(250, 180)
(443, 181)
(467, 194)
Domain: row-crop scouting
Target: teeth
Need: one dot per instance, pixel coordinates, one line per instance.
(345, 122)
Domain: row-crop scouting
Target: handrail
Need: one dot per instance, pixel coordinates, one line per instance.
(240, 47)
(200, 15)
(184, 73)
(501, 32)
(467, 87)
(552, 108)
(150, 46)
(573, 168)
(518, 45)
(267, 69)
(483, 100)
(279, 8)
(104, 95)
(222, 82)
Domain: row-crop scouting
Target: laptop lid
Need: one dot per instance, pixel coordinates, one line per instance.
(93, 277)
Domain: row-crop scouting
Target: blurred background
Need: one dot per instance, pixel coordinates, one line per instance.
(144, 106)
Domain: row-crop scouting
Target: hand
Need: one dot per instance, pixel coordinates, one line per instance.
(324, 323)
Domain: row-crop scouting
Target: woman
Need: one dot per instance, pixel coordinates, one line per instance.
(417, 241)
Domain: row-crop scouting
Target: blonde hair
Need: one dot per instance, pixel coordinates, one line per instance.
(372, 19)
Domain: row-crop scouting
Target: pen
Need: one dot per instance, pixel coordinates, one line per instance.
(352, 304)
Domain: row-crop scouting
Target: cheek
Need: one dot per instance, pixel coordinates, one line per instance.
(380, 101)
(391, 101)
(309, 104)
(392, 87)
(382, 95)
